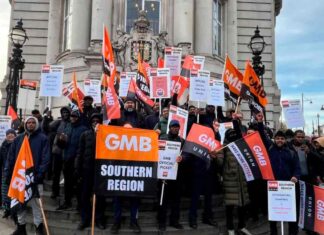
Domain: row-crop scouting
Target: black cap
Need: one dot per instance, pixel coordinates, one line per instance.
(174, 123)
(280, 134)
(75, 113)
(88, 97)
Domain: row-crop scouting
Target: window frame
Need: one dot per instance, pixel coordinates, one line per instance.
(217, 28)
(67, 25)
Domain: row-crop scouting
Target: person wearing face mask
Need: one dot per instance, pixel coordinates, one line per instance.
(84, 171)
(39, 146)
(162, 126)
(284, 163)
(10, 136)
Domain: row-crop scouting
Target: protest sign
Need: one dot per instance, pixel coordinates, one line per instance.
(5, 124)
(293, 113)
(126, 161)
(200, 141)
(160, 83)
(51, 80)
(92, 88)
(172, 60)
(125, 78)
(252, 156)
(215, 95)
(223, 127)
(68, 93)
(281, 201)
(311, 210)
(27, 94)
(181, 115)
(168, 153)
(198, 89)
(198, 62)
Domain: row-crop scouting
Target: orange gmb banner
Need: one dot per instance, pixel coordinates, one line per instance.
(128, 144)
(232, 77)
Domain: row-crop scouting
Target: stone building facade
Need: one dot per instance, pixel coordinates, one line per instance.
(69, 32)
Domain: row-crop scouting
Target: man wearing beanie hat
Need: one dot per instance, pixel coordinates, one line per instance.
(84, 171)
(10, 136)
(284, 162)
(88, 110)
(40, 150)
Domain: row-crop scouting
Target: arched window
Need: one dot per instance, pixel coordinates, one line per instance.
(217, 27)
(152, 9)
(67, 25)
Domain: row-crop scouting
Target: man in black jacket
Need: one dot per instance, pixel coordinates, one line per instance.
(152, 119)
(172, 190)
(84, 165)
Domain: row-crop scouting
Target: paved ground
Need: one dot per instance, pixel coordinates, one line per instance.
(6, 227)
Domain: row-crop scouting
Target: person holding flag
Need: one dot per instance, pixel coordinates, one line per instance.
(29, 150)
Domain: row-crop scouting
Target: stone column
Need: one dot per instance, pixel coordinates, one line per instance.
(183, 30)
(203, 27)
(231, 44)
(81, 15)
(101, 14)
(54, 29)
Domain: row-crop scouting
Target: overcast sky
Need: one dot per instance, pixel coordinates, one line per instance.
(299, 52)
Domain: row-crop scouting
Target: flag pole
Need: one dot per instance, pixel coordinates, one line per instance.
(160, 107)
(43, 214)
(93, 213)
(162, 192)
(238, 104)
(198, 112)
(282, 228)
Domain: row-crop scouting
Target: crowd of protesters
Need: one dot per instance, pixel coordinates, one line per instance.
(66, 146)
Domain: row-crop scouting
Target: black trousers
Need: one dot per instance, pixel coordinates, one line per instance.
(86, 196)
(171, 198)
(258, 197)
(57, 169)
(69, 181)
(230, 217)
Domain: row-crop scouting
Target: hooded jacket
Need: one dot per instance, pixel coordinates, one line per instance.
(39, 146)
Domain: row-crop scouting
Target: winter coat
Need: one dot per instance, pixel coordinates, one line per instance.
(162, 125)
(284, 161)
(191, 120)
(134, 118)
(73, 131)
(85, 159)
(151, 121)
(4, 149)
(57, 127)
(39, 146)
(86, 114)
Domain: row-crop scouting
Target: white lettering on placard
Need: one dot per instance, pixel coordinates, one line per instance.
(134, 143)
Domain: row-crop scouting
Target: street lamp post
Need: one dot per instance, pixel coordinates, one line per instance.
(302, 104)
(16, 64)
(257, 46)
(318, 126)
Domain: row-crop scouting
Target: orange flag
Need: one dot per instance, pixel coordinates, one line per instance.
(109, 67)
(232, 78)
(75, 95)
(11, 112)
(251, 87)
(20, 188)
(110, 101)
(141, 70)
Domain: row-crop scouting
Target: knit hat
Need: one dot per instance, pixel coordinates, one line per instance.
(280, 134)
(75, 113)
(130, 99)
(174, 123)
(11, 131)
(88, 97)
(28, 118)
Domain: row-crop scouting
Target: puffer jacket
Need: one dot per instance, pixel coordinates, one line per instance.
(86, 152)
(234, 183)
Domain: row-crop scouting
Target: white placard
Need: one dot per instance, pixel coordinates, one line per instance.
(293, 113)
(159, 83)
(223, 127)
(172, 60)
(27, 94)
(199, 85)
(5, 124)
(168, 153)
(199, 62)
(125, 78)
(92, 88)
(181, 115)
(51, 80)
(215, 95)
(281, 201)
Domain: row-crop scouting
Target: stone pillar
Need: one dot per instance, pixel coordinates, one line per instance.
(54, 29)
(183, 30)
(81, 14)
(101, 14)
(231, 35)
(203, 27)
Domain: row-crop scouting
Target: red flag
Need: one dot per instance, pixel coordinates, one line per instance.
(111, 103)
(200, 141)
(11, 112)
(232, 78)
(135, 90)
(20, 188)
(109, 66)
(160, 62)
(75, 94)
(142, 74)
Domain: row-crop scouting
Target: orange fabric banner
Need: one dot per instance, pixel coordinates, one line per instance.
(109, 66)
(17, 188)
(110, 100)
(126, 144)
(75, 94)
(11, 112)
(252, 83)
